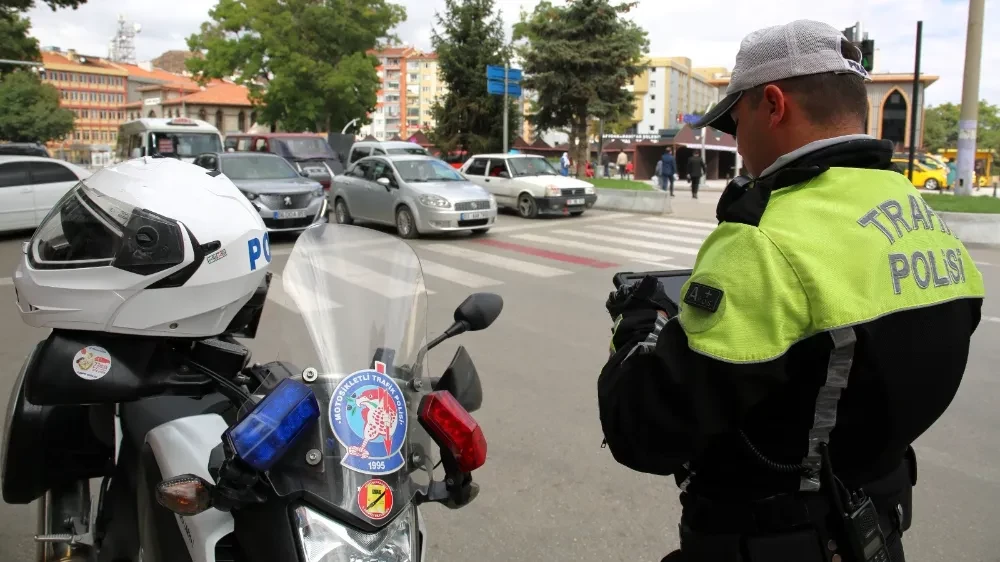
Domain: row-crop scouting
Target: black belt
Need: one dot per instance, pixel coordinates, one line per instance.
(725, 527)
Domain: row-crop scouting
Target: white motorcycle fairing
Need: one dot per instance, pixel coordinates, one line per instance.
(183, 446)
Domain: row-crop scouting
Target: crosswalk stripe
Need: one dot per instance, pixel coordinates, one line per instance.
(441, 271)
(358, 275)
(683, 222)
(548, 240)
(672, 228)
(618, 239)
(657, 236)
(494, 260)
(544, 223)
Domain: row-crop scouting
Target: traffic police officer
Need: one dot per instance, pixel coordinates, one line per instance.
(785, 393)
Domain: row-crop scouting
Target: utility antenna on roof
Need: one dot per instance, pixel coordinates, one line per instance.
(122, 48)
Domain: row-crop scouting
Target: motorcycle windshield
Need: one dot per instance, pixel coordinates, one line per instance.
(351, 310)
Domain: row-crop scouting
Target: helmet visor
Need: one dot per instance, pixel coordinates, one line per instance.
(87, 228)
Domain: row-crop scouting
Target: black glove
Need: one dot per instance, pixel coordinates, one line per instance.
(646, 295)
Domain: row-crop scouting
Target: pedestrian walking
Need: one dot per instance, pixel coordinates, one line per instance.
(667, 169)
(622, 161)
(695, 170)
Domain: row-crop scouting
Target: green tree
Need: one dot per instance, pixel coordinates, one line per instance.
(38, 117)
(305, 62)
(578, 59)
(941, 127)
(467, 38)
(15, 43)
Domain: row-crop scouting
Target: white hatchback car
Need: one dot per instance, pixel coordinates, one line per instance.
(30, 186)
(529, 184)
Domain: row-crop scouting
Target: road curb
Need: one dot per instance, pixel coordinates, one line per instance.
(974, 228)
(632, 201)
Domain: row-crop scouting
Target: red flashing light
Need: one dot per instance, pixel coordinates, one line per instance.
(454, 429)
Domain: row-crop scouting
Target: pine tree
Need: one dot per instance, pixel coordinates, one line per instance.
(578, 59)
(467, 38)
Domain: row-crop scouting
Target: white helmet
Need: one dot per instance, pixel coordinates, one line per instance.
(151, 246)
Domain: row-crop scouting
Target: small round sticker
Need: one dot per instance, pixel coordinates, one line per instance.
(375, 499)
(92, 363)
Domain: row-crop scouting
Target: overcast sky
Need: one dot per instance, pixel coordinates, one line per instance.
(706, 31)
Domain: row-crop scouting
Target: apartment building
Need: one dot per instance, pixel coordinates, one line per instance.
(411, 83)
(95, 91)
(667, 90)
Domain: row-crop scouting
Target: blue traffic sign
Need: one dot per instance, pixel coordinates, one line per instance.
(496, 73)
(495, 87)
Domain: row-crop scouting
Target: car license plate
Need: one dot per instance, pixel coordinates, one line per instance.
(298, 214)
(471, 216)
(315, 171)
(574, 201)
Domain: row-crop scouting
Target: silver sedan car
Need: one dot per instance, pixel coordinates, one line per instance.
(417, 194)
(287, 201)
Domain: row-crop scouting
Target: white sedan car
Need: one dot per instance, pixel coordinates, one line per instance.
(529, 184)
(30, 186)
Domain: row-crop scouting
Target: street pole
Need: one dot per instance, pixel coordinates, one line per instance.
(970, 98)
(506, 126)
(915, 101)
(348, 126)
(600, 147)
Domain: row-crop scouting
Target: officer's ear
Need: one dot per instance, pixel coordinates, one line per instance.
(775, 101)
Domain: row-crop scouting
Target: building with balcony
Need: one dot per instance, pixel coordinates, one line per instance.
(668, 89)
(95, 90)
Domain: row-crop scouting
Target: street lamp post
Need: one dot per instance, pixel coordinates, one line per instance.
(348, 125)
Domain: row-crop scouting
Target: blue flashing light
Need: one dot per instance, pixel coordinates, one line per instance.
(274, 425)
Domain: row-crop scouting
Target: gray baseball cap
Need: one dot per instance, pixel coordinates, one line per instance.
(767, 55)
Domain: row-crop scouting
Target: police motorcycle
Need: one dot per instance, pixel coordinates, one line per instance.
(322, 455)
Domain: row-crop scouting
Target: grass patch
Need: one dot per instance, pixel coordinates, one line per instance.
(963, 204)
(609, 183)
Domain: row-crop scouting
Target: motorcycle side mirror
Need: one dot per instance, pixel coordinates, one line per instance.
(462, 380)
(475, 313)
(479, 311)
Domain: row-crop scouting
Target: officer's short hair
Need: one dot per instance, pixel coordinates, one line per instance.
(826, 99)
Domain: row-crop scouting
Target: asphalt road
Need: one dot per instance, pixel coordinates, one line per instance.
(548, 489)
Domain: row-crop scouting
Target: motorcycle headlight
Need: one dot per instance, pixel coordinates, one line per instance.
(434, 201)
(325, 540)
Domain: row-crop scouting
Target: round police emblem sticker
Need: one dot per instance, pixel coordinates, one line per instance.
(368, 417)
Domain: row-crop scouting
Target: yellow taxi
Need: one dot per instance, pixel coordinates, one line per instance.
(924, 176)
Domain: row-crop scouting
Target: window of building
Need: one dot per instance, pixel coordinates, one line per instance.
(651, 128)
(652, 110)
(220, 122)
(86, 135)
(652, 96)
(426, 88)
(652, 83)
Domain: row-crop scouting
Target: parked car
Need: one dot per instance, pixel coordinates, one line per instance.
(308, 152)
(30, 186)
(924, 175)
(529, 184)
(361, 149)
(287, 201)
(24, 149)
(418, 194)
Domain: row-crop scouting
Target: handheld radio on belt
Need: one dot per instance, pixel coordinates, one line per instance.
(865, 538)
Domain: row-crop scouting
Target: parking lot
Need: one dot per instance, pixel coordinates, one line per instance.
(549, 491)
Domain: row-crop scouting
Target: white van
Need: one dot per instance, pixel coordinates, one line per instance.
(178, 137)
(361, 149)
